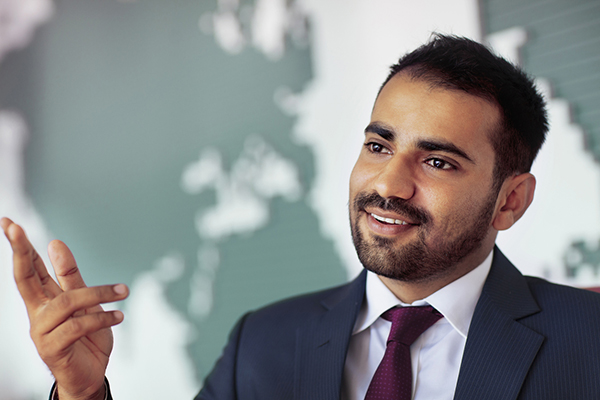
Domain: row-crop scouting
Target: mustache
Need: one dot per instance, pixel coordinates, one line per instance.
(396, 205)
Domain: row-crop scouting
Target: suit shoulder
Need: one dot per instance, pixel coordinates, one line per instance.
(302, 306)
(565, 309)
(295, 312)
(554, 293)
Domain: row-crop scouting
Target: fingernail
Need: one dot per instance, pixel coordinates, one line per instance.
(120, 289)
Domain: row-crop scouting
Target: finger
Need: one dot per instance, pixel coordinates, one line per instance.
(5, 222)
(62, 308)
(28, 265)
(66, 270)
(49, 287)
(76, 328)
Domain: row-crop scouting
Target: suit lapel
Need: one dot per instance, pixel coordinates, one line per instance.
(322, 344)
(499, 350)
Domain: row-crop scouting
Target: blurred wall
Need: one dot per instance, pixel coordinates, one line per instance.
(199, 151)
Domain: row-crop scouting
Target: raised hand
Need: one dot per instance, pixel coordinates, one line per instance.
(70, 329)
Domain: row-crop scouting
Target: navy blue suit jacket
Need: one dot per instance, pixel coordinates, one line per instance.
(528, 339)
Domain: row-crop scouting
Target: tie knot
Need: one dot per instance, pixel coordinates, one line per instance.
(408, 323)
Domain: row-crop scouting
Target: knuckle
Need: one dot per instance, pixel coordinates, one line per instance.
(104, 319)
(26, 274)
(99, 292)
(81, 326)
(34, 255)
(64, 301)
(45, 279)
(103, 293)
(101, 319)
(71, 271)
(74, 326)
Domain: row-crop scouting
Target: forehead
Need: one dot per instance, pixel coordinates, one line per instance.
(414, 110)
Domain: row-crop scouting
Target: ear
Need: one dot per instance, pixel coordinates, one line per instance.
(515, 197)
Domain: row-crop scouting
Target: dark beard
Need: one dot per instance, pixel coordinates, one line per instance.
(418, 261)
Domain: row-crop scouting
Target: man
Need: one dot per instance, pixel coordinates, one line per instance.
(444, 166)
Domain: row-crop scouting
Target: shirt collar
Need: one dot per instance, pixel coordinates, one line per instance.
(455, 301)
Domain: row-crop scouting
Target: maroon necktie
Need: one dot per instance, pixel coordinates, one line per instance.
(393, 377)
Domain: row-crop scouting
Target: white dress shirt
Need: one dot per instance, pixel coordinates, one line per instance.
(436, 355)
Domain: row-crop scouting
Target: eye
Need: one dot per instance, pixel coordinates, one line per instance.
(375, 147)
(438, 163)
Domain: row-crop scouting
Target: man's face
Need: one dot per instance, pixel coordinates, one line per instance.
(421, 192)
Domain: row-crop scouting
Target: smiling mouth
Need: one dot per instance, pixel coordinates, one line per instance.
(390, 221)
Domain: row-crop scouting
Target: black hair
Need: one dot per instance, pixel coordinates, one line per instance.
(460, 63)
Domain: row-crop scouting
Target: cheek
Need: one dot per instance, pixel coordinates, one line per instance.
(450, 209)
(440, 203)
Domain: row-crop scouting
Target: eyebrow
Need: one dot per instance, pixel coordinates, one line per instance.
(447, 147)
(378, 129)
(427, 145)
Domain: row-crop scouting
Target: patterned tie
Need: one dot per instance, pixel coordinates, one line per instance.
(393, 377)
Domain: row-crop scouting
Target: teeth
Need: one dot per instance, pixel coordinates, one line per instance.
(389, 220)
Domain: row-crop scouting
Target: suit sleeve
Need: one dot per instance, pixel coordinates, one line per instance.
(107, 395)
(221, 382)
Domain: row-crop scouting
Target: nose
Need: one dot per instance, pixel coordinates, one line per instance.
(395, 179)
